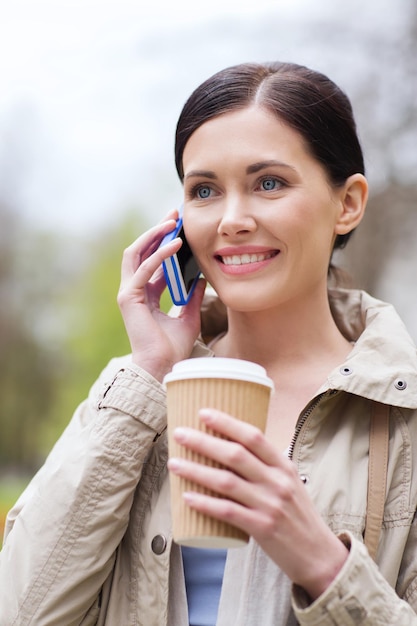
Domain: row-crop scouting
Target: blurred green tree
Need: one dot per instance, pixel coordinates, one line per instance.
(92, 328)
(59, 326)
(26, 367)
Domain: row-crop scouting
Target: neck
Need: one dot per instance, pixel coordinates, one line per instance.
(289, 336)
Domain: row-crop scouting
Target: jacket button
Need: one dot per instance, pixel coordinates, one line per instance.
(345, 370)
(304, 478)
(400, 384)
(159, 544)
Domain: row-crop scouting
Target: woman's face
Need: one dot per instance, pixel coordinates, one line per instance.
(259, 212)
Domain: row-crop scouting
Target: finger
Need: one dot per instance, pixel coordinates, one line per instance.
(138, 278)
(149, 268)
(154, 287)
(158, 279)
(172, 214)
(220, 481)
(241, 432)
(147, 283)
(230, 511)
(229, 454)
(274, 503)
(190, 313)
(144, 246)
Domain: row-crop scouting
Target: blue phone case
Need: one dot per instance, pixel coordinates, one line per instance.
(181, 270)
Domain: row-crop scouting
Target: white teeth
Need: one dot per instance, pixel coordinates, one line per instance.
(244, 259)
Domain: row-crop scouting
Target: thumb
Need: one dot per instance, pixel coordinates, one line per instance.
(191, 312)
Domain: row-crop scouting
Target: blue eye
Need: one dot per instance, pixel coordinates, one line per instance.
(269, 184)
(203, 192)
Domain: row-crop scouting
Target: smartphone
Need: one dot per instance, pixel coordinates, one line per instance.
(181, 269)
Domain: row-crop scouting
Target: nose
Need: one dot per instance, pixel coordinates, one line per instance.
(236, 218)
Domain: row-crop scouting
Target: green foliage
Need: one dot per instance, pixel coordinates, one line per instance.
(59, 326)
(26, 376)
(93, 327)
(26, 367)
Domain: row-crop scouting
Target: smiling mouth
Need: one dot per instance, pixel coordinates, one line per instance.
(245, 259)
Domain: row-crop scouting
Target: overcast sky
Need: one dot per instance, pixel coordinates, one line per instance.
(91, 90)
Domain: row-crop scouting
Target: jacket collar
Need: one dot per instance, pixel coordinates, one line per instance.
(383, 363)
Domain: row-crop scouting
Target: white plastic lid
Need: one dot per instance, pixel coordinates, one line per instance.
(214, 367)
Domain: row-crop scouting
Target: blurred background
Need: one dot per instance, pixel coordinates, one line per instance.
(89, 97)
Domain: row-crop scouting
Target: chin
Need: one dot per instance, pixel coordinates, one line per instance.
(247, 302)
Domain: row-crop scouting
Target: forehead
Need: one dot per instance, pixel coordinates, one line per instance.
(252, 132)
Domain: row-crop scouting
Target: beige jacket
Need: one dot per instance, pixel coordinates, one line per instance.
(89, 541)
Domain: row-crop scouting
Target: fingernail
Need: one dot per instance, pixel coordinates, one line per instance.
(180, 434)
(174, 464)
(206, 415)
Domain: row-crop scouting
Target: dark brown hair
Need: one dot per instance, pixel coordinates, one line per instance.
(306, 100)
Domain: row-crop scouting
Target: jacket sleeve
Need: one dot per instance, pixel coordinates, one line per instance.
(358, 595)
(62, 534)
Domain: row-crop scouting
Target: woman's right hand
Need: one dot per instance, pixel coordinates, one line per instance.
(157, 340)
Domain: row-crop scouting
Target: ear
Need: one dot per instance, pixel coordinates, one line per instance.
(353, 198)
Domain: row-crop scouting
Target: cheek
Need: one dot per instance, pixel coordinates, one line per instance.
(200, 227)
(197, 237)
(193, 234)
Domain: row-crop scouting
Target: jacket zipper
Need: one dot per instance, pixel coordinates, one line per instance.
(301, 421)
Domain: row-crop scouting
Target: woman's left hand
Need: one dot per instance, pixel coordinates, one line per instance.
(263, 495)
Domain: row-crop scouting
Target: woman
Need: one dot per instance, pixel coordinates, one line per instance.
(273, 181)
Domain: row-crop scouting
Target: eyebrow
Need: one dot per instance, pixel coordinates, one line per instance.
(200, 174)
(261, 165)
(251, 169)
